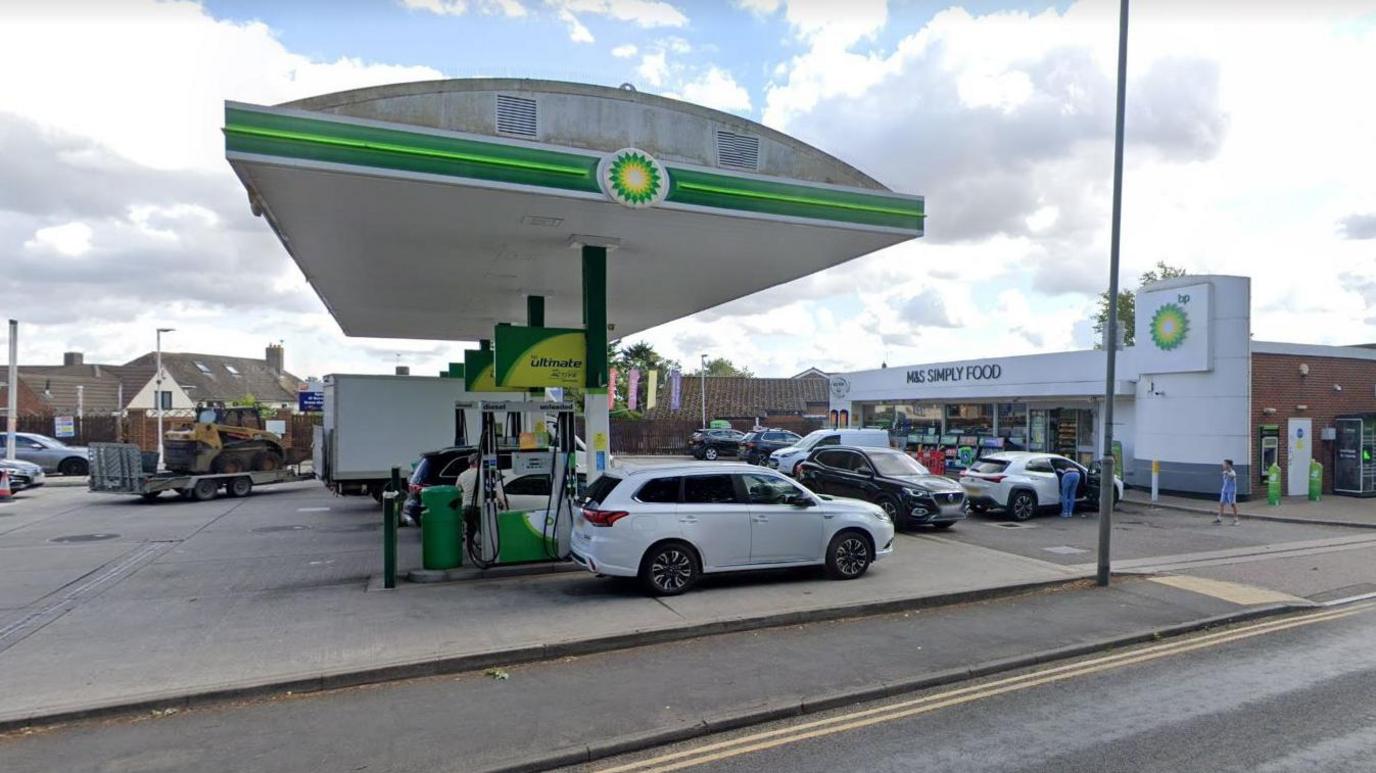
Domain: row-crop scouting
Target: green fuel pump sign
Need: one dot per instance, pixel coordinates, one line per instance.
(478, 373)
(540, 356)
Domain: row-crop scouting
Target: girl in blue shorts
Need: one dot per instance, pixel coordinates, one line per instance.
(1229, 494)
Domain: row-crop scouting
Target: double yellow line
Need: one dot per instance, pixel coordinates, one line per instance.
(714, 752)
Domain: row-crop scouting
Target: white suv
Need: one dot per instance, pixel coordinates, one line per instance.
(670, 524)
(1023, 482)
(786, 460)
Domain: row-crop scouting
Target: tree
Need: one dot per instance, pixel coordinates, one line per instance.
(1127, 304)
(721, 366)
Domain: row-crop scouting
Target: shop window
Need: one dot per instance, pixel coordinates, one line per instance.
(1012, 419)
(970, 418)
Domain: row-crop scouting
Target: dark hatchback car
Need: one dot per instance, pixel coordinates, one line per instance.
(436, 468)
(757, 446)
(907, 491)
(711, 444)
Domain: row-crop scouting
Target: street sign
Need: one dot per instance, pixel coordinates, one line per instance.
(310, 402)
(64, 426)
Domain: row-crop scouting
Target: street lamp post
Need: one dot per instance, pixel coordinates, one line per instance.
(702, 375)
(157, 393)
(1106, 472)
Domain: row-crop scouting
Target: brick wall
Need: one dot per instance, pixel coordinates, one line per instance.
(1277, 383)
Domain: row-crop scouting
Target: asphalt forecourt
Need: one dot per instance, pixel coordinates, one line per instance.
(647, 696)
(113, 605)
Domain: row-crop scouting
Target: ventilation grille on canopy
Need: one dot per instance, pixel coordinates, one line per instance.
(738, 151)
(516, 115)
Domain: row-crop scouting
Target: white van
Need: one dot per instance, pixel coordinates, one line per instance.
(787, 459)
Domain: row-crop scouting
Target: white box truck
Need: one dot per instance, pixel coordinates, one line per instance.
(374, 423)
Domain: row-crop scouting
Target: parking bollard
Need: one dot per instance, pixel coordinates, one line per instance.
(389, 531)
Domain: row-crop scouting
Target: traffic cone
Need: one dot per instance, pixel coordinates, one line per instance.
(5, 492)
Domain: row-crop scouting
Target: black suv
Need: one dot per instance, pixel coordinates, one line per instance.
(711, 443)
(907, 491)
(757, 446)
(435, 468)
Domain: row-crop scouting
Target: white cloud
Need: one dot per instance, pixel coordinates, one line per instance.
(625, 51)
(578, 33)
(716, 88)
(509, 8)
(653, 68)
(642, 13)
(71, 240)
(759, 7)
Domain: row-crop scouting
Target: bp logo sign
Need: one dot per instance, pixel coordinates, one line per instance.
(1170, 325)
(633, 178)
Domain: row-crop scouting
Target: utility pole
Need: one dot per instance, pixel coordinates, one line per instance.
(12, 393)
(702, 376)
(1107, 489)
(157, 394)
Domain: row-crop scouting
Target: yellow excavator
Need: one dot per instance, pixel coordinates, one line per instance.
(223, 440)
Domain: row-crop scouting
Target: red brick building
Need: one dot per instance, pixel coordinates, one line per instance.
(1319, 383)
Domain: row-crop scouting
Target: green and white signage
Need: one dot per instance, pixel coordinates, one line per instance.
(1173, 329)
(633, 178)
(540, 356)
(478, 372)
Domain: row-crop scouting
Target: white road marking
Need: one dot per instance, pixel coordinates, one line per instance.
(311, 509)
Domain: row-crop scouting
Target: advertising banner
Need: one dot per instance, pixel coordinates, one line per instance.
(478, 373)
(310, 402)
(651, 388)
(540, 356)
(1172, 330)
(633, 389)
(611, 390)
(675, 389)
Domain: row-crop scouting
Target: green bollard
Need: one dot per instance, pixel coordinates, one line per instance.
(1273, 485)
(1315, 480)
(389, 531)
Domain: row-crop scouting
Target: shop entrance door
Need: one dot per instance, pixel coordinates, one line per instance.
(1301, 449)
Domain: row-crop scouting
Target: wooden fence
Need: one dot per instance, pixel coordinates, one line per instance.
(140, 427)
(670, 436)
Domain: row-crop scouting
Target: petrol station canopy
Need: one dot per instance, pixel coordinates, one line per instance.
(431, 210)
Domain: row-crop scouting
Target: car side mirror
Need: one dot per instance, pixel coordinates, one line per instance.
(800, 500)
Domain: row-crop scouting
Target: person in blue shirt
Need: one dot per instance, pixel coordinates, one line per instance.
(1228, 496)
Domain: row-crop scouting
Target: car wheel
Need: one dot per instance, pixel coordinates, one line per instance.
(239, 487)
(848, 556)
(1022, 506)
(710, 454)
(944, 525)
(204, 490)
(73, 467)
(669, 569)
(892, 510)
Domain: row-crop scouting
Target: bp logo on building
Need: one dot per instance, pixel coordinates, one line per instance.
(1170, 325)
(633, 178)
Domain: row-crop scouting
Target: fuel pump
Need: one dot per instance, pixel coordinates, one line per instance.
(501, 535)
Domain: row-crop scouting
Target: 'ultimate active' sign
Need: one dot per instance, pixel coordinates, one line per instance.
(955, 373)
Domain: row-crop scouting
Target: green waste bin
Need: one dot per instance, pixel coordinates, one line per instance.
(1315, 480)
(439, 528)
(1273, 485)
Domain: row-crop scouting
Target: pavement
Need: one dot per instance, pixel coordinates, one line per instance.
(541, 714)
(107, 602)
(1330, 509)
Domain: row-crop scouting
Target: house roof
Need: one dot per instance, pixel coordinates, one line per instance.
(813, 372)
(216, 378)
(56, 386)
(27, 402)
(743, 397)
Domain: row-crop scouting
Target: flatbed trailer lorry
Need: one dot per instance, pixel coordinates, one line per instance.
(118, 468)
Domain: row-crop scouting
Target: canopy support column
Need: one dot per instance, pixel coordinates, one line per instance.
(597, 422)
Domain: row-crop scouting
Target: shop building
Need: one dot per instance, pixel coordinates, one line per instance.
(1194, 390)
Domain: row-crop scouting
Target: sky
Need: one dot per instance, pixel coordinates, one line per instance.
(1249, 151)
